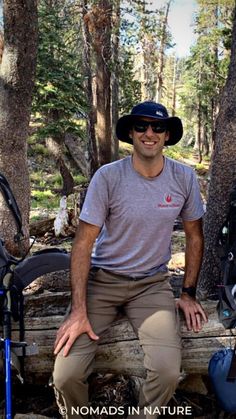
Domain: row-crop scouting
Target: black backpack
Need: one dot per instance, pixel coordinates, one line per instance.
(7, 261)
(12, 204)
(222, 365)
(227, 251)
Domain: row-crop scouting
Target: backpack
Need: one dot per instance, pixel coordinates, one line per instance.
(7, 261)
(222, 365)
(222, 373)
(12, 205)
(226, 306)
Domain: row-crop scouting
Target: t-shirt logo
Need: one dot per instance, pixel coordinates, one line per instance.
(168, 198)
(168, 201)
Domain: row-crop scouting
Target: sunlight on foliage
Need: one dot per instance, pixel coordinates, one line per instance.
(80, 180)
(44, 199)
(125, 149)
(41, 149)
(178, 153)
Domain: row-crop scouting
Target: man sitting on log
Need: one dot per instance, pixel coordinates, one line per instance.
(130, 209)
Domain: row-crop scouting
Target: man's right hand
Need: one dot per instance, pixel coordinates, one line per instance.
(74, 326)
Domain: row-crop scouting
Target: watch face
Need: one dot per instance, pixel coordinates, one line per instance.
(191, 291)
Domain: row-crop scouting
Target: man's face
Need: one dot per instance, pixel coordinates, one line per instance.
(148, 143)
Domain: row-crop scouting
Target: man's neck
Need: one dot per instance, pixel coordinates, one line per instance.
(149, 168)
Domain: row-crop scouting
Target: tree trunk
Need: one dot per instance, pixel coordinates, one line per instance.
(205, 132)
(103, 80)
(16, 86)
(143, 65)
(162, 54)
(205, 144)
(223, 174)
(77, 149)
(199, 130)
(213, 122)
(98, 22)
(215, 99)
(55, 146)
(115, 77)
(175, 65)
(91, 142)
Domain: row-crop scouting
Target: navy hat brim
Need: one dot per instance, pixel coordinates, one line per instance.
(174, 126)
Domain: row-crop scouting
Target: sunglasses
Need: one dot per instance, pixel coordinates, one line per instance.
(157, 126)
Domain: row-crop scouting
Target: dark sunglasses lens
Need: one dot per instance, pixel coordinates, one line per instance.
(141, 127)
(157, 127)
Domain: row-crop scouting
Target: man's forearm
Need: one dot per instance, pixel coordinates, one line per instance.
(77, 322)
(80, 265)
(193, 311)
(194, 251)
(193, 260)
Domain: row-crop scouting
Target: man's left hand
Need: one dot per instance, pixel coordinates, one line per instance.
(194, 314)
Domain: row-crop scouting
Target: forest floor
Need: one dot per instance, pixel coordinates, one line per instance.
(37, 402)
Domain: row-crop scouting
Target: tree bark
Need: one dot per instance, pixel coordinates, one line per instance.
(17, 73)
(77, 149)
(103, 80)
(40, 227)
(199, 130)
(98, 22)
(91, 141)
(55, 145)
(223, 175)
(215, 100)
(115, 77)
(174, 80)
(159, 92)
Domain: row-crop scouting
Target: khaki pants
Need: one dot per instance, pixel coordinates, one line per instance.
(149, 304)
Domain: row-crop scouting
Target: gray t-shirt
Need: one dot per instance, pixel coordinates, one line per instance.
(137, 215)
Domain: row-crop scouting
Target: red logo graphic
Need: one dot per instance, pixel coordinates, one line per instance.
(168, 202)
(168, 199)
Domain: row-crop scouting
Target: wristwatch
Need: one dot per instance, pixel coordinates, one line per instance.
(191, 291)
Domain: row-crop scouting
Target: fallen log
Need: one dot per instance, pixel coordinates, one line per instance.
(40, 227)
(119, 350)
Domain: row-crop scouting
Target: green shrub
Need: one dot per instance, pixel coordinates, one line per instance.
(44, 199)
(41, 149)
(178, 152)
(80, 180)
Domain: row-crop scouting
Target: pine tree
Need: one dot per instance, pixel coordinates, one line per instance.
(59, 100)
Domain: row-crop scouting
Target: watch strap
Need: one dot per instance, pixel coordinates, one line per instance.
(191, 291)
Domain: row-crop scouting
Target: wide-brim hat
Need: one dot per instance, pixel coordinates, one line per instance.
(153, 110)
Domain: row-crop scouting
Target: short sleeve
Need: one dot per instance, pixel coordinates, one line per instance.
(95, 207)
(193, 207)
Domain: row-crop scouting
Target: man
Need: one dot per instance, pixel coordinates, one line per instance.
(130, 209)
